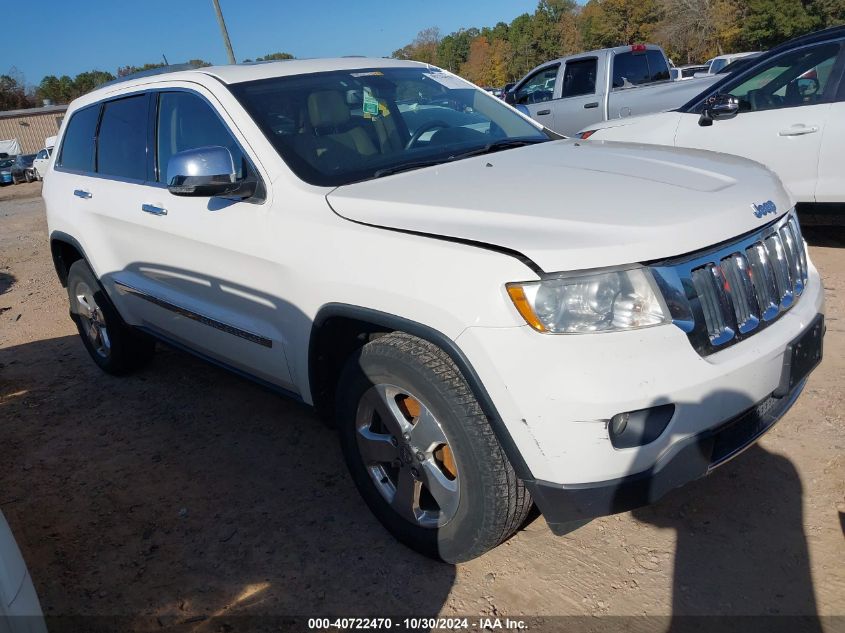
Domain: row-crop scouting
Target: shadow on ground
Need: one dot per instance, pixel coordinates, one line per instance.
(185, 491)
(7, 280)
(828, 236)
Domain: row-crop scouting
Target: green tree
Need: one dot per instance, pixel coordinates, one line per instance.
(766, 23)
(87, 81)
(274, 57)
(13, 91)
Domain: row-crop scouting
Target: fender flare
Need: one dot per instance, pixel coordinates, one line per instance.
(425, 332)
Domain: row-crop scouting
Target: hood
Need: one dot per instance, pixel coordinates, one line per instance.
(570, 205)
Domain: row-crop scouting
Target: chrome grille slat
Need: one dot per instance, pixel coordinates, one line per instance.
(789, 248)
(746, 310)
(708, 284)
(802, 249)
(724, 295)
(777, 260)
(763, 279)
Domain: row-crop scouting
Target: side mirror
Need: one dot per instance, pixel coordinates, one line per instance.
(719, 106)
(205, 171)
(510, 97)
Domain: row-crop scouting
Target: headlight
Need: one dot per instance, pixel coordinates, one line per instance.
(594, 302)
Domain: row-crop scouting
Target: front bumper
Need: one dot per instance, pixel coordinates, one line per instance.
(556, 395)
(565, 507)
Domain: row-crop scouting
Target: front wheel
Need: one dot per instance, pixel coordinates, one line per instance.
(422, 453)
(114, 346)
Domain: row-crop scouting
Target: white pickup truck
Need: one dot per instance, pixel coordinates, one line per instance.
(569, 94)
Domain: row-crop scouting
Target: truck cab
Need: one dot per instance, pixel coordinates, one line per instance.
(569, 93)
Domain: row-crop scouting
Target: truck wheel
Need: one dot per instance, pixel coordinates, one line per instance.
(115, 347)
(28, 176)
(422, 452)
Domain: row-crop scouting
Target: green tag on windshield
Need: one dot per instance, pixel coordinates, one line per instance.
(370, 102)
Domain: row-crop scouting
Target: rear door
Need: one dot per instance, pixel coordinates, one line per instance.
(578, 105)
(536, 93)
(785, 108)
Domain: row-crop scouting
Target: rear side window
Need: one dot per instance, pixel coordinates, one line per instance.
(78, 144)
(633, 69)
(122, 141)
(186, 121)
(579, 78)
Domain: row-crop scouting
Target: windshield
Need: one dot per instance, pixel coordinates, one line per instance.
(338, 127)
(6, 162)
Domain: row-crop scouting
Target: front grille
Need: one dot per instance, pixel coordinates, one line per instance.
(725, 295)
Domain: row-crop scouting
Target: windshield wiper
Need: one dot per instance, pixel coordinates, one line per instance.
(495, 146)
(395, 169)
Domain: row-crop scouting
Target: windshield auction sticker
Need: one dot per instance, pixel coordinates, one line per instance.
(370, 102)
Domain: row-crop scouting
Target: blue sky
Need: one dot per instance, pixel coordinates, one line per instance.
(58, 37)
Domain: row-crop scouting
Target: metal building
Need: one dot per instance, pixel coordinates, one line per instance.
(31, 126)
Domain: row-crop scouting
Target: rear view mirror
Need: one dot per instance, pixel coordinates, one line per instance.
(717, 107)
(205, 171)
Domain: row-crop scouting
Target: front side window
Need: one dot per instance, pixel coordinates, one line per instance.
(579, 78)
(122, 139)
(42, 154)
(186, 121)
(338, 127)
(77, 151)
(538, 88)
(800, 77)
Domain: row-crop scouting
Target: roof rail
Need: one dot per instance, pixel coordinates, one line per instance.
(161, 70)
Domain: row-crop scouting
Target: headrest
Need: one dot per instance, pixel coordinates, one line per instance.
(327, 108)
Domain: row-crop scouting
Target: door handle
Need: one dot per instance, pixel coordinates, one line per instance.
(81, 193)
(542, 112)
(590, 106)
(153, 210)
(799, 130)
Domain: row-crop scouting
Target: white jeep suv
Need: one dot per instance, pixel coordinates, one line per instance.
(492, 316)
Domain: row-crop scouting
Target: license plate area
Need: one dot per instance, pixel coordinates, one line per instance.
(801, 357)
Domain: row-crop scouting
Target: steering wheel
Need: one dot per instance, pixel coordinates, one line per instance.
(425, 127)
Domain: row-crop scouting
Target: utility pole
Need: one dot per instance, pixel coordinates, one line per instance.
(224, 32)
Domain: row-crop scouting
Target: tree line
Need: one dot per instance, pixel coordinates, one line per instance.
(15, 94)
(690, 31)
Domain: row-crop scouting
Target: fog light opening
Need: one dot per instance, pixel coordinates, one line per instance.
(641, 427)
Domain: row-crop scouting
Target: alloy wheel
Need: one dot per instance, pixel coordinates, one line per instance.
(92, 319)
(407, 455)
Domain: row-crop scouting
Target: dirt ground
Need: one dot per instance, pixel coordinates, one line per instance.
(186, 491)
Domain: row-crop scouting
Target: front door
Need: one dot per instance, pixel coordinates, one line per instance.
(785, 106)
(197, 271)
(536, 93)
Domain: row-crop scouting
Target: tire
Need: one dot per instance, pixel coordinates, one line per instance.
(406, 414)
(114, 346)
(28, 176)
(14, 180)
